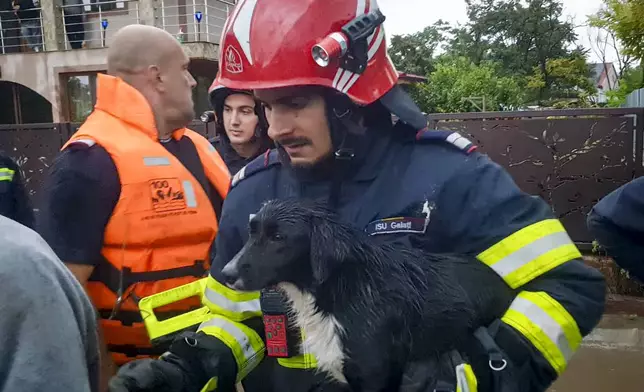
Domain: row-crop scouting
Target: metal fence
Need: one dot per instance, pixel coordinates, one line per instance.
(570, 158)
(35, 146)
(635, 99)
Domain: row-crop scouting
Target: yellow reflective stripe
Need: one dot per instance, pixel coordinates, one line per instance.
(530, 252)
(210, 386)
(465, 378)
(302, 361)
(547, 325)
(6, 174)
(235, 305)
(246, 345)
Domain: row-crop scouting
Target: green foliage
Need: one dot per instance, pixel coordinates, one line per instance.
(457, 78)
(567, 78)
(630, 81)
(626, 19)
(414, 53)
(511, 52)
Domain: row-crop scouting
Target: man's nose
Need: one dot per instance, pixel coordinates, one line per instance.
(234, 118)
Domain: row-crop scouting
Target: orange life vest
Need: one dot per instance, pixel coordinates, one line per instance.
(161, 230)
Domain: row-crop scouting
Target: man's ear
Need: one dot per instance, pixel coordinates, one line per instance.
(326, 252)
(153, 75)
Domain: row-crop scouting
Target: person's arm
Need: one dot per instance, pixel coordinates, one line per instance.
(47, 328)
(617, 223)
(79, 196)
(560, 299)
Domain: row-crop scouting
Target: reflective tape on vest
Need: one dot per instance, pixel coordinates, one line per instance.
(189, 193)
(465, 378)
(156, 161)
(6, 174)
(247, 346)
(530, 252)
(235, 305)
(547, 325)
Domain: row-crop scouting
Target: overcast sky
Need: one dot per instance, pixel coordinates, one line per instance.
(409, 16)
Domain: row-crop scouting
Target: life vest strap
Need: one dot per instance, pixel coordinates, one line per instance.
(117, 280)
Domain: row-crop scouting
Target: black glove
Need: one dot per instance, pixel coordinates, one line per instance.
(150, 375)
(193, 359)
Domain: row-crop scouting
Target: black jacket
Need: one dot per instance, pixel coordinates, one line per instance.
(232, 159)
(14, 201)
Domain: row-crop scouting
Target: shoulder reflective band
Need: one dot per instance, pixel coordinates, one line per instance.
(465, 379)
(6, 174)
(235, 305)
(530, 252)
(246, 345)
(547, 325)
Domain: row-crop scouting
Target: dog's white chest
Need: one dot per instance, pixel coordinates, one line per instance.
(322, 331)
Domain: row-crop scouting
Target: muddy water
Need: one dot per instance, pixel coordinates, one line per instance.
(597, 369)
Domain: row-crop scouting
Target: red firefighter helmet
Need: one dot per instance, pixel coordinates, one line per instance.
(334, 43)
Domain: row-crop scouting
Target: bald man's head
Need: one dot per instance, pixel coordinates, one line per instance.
(136, 47)
(153, 62)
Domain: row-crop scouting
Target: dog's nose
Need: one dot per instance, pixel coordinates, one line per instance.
(230, 273)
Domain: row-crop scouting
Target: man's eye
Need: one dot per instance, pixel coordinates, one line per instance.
(277, 237)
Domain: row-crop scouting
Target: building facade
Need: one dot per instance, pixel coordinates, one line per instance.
(55, 81)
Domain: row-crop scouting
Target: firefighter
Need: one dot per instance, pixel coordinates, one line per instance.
(329, 90)
(14, 200)
(617, 223)
(241, 126)
(133, 199)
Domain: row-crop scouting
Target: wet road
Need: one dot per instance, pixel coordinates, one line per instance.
(611, 359)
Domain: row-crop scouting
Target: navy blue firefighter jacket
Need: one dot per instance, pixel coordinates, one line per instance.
(429, 190)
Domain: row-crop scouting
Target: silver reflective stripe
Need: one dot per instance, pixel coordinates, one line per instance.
(531, 251)
(238, 334)
(211, 148)
(547, 324)
(239, 176)
(88, 142)
(189, 192)
(458, 140)
(230, 305)
(6, 176)
(156, 161)
(461, 378)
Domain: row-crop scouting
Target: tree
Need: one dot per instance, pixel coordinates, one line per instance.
(568, 77)
(602, 41)
(414, 53)
(630, 81)
(457, 78)
(519, 35)
(625, 18)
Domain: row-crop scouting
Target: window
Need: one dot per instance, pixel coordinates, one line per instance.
(80, 95)
(104, 5)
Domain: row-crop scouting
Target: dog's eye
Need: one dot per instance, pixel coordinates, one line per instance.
(276, 237)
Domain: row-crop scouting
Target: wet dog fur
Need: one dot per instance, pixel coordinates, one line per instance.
(367, 309)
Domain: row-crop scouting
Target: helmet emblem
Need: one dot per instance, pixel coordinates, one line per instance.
(233, 60)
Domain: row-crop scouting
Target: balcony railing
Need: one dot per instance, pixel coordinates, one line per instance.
(93, 25)
(21, 34)
(195, 20)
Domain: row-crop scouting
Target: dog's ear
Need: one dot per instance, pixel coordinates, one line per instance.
(327, 249)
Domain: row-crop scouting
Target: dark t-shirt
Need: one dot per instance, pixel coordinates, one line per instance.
(80, 194)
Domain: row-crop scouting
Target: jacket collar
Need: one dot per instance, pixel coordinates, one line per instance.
(117, 98)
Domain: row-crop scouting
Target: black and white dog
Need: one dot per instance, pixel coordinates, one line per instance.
(366, 309)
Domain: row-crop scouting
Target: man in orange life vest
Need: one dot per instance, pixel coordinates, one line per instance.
(132, 202)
